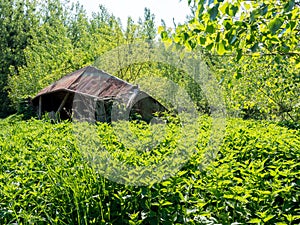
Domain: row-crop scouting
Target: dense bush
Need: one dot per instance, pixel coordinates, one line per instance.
(265, 87)
(45, 179)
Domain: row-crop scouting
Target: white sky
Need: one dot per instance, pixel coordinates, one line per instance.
(162, 9)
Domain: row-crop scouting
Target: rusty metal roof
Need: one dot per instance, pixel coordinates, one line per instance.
(90, 81)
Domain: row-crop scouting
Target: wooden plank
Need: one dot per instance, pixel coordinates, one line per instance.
(63, 103)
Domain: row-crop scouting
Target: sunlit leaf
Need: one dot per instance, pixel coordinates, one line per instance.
(275, 25)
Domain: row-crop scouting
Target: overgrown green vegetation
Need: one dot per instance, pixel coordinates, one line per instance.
(251, 47)
(45, 179)
(43, 41)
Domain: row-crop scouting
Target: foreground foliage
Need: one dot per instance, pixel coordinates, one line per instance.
(45, 179)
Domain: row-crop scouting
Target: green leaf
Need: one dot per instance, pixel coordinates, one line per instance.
(247, 6)
(289, 6)
(160, 29)
(213, 12)
(223, 7)
(164, 35)
(264, 192)
(185, 36)
(210, 29)
(275, 25)
(227, 24)
(166, 183)
(232, 39)
(292, 25)
(267, 218)
(166, 203)
(210, 46)
(232, 10)
(229, 196)
(255, 220)
(239, 54)
(254, 47)
(238, 75)
(221, 48)
(202, 40)
(264, 9)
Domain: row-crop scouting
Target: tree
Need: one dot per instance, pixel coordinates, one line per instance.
(133, 34)
(242, 27)
(18, 19)
(253, 49)
(147, 26)
(48, 56)
(66, 40)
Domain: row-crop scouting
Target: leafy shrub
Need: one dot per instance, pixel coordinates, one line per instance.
(264, 87)
(45, 179)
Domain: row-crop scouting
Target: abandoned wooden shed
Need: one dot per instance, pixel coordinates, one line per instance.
(89, 94)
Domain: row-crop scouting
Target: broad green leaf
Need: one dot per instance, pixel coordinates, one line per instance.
(232, 10)
(275, 25)
(223, 7)
(247, 6)
(202, 40)
(229, 196)
(267, 218)
(292, 25)
(289, 5)
(228, 24)
(210, 46)
(166, 183)
(221, 48)
(263, 9)
(213, 12)
(210, 29)
(255, 220)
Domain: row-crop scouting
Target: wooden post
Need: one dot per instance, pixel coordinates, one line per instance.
(63, 103)
(40, 107)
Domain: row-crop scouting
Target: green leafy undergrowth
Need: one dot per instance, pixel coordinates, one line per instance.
(46, 179)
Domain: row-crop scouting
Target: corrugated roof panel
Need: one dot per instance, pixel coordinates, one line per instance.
(91, 81)
(63, 83)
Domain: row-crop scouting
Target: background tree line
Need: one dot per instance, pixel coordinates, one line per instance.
(252, 48)
(42, 41)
